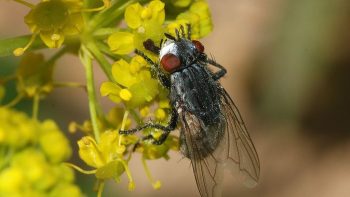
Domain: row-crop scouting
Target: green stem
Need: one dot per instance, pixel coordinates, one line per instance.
(106, 66)
(100, 188)
(6, 154)
(36, 101)
(126, 113)
(80, 169)
(128, 174)
(86, 59)
(148, 172)
(112, 15)
(103, 33)
(136, 116)
(25, 3)
(69, 85)
(15, 101)
(105, 50)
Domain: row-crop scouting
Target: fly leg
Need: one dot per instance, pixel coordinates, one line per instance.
(155, 70)
(166, 129)
(221, 72)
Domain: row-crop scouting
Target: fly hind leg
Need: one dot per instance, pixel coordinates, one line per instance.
(166, 129)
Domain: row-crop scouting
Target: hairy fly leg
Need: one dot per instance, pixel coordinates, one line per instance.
(165, 129)
(221, 72)
(164, 80)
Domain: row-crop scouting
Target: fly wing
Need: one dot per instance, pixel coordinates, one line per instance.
(235, 150)
(237, 144)
(208, 171)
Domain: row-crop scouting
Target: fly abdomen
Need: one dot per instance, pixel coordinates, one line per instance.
(205, 139)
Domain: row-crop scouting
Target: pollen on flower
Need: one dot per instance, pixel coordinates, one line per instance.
(146, 13)
(55, 37)
(160, 114)
(157, 185)
(144, 111)
(125, 94)
(131, 186)
(141, 30)
(85, 141)
(18, 51)
(120, 149)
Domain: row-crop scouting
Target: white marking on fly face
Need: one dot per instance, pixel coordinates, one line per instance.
(168, 47)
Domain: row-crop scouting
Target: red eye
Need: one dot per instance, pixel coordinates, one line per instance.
(198, 45)
(170, 62)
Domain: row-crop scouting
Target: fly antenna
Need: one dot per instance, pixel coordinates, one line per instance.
(182, 31)
(177, 34)
(188, 31)
(170, 37)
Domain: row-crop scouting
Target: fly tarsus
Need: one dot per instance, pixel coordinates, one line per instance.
(221, 72)
(158, 141)
(166, 129)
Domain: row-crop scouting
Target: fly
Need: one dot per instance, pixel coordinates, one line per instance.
(212, 132)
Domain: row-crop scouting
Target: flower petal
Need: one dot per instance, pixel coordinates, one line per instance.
(121, 43)
(133, 15)
(122, 75)
(143, 92)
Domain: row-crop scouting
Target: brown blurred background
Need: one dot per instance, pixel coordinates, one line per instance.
(288, 71)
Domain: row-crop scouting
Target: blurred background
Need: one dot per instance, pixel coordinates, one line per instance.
(289, 73)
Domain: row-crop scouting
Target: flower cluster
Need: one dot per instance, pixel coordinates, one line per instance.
(38, 146)
(107, 32)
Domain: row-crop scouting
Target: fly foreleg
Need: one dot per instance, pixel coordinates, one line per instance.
(221, 72)
(166, 129)
(156, 72)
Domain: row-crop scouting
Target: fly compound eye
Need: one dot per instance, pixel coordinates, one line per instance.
(199, 46)
(170, 62)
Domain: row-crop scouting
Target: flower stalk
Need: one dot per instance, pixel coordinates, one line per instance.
(86, 59)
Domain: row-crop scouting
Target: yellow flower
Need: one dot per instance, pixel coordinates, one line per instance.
(198, 16)
(144, 22)
(16, 129)
(11, 180)
(107, 155)
(160, 114)
(151, 151)
(115, 118)
(89, 153)
(181, 3)
(136, 15)
(55, 19)
(34, 76)
(50, 133)
(121, 42)
(31, 156)
(134, 85)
